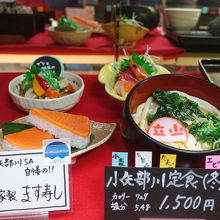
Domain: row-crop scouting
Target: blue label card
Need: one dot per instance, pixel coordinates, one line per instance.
(143, 159)
(119, 159)
(57, 151)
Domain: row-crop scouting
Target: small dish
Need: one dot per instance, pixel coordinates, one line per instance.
(107, 76)
(101, 133)
(57, 104)
(128, 33)
(77, 37)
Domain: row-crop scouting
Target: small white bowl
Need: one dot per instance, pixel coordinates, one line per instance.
(182, 19)
(61, 104)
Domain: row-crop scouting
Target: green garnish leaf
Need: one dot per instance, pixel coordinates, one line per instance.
(13, 127)
(147, 65)
(67, 22)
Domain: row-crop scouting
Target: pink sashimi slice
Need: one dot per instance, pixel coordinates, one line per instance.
(125, 83)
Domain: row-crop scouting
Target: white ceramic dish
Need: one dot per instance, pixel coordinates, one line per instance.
(182, 19)
(57, 104)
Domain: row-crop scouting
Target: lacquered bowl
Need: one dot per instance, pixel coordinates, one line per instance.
(137, 138)
(61, 104)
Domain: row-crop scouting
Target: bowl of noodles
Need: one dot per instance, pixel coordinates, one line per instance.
(191, 101)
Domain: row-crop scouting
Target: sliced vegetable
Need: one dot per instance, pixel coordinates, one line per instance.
(70, 88)
(43, 83)
(90, 23)
(51, 93)
(51, 78)
(13, 127)
(37, 88)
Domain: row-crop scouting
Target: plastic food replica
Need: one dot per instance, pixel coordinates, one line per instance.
(200, 119)
(132, 70)
(66, 25)
(46, 124)
(44, 83)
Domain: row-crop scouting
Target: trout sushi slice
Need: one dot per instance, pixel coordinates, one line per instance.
(62, 125)
(28, 139)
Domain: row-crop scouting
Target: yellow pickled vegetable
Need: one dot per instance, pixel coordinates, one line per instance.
(37, 88)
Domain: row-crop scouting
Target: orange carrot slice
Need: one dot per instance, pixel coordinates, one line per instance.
(93, 24)
(70, 87)
(39, 91)
(52, 93)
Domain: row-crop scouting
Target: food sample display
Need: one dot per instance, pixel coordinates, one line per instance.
(66, 25)
(67, 32)
(30, 138)
(132, 70)
(45, 124)
(200, 118)
(41, 83)
(130, 30)
(120, 77)
(62, 125)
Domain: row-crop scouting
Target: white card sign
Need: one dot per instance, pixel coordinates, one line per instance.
(28, 185)
(143, 159)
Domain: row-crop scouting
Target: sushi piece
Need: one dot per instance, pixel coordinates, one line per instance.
(62, 125)
(25, 140)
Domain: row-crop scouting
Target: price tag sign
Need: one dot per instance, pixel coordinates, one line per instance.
(212, 162)
(157, 193)
(143, 159)
(50, 62)
(167, 160)
(28, 185)
(120, 159)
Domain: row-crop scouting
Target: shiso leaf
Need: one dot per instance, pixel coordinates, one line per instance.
(13, 127)
(147, 65)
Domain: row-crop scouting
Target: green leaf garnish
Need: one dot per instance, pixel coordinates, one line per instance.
(13, 127)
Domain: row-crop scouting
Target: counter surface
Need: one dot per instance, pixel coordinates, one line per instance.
(87, 174)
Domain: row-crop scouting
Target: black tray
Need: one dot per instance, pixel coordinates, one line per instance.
(196, 40)
(210, 69)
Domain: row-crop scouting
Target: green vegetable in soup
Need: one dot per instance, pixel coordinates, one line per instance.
(171, 104)
(208, 130)
(204, 127)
